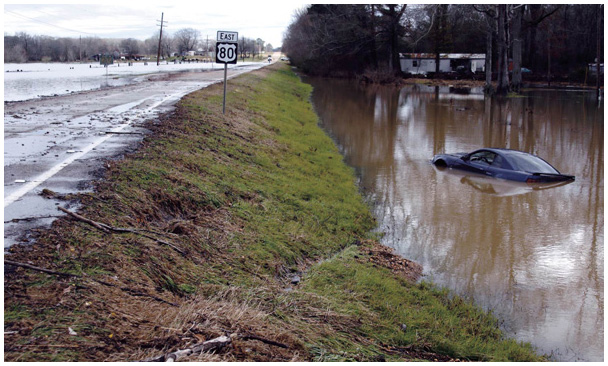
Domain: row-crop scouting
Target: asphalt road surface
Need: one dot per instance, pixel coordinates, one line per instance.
(61, 143)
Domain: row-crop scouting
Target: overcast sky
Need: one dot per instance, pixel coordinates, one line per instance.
(140, 20)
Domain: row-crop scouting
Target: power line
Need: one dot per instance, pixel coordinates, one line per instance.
(49, 14)
(49, 24)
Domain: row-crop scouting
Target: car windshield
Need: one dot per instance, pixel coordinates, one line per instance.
(529, 163)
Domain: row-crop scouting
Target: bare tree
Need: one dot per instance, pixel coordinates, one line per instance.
(91, 46)
(247, 47)
(130, 47)
(186, 39)
(490, 26)
(440, 32)
(502, 83)
(151, 45)
(331, 39)
(518, 12)
(392, 30)
(259, 43)
(14, 51)
(167, 45)
(25, 40)
(496, 15)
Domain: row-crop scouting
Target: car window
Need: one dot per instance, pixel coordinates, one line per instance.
(498, 162)
(482, 157)
(531, 164)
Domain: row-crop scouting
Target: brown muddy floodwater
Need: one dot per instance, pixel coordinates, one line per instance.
(534, 255)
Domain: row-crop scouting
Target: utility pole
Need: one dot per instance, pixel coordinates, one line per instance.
(160, 37)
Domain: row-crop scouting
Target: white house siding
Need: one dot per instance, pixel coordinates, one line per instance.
(423, 66)
(425, 63)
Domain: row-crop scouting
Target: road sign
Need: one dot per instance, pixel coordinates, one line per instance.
(227, 37)
(226, 53)
(106, 59)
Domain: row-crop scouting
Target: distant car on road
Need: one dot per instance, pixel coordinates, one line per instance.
(284, 58)
(504, 164)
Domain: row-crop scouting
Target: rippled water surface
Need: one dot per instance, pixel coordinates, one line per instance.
(534, 255)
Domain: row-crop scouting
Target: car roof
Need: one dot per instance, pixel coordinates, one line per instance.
(509, 152)
(504, 151)
(518, 156)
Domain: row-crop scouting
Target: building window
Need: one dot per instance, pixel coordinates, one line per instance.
(415, 63)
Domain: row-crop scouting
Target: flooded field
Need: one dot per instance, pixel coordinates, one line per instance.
(33, 80)
(532, 254)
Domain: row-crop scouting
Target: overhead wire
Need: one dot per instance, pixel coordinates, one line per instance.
(54, 25)
(49, 24)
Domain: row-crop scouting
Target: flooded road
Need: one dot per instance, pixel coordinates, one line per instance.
(534, 255)
(61, 143)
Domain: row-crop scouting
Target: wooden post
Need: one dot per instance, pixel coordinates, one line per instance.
(160, 37)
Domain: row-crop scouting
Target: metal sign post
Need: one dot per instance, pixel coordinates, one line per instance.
(225, 77)
(226, 51)
(105, 60)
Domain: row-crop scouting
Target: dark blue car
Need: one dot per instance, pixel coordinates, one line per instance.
(503, 163)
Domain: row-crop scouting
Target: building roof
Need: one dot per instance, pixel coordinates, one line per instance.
(468, 56)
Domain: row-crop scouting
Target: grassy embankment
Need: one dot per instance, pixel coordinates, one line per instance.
(229, 210)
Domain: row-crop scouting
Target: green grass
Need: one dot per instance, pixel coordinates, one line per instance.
(434, 319)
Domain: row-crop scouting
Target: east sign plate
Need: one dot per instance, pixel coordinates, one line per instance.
(227, 37)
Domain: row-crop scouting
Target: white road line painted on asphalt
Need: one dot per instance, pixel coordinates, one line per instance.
(77, 155)
(57, 168)
(179, 95)
(29, 186)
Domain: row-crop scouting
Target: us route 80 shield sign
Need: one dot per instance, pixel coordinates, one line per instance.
(226, 53)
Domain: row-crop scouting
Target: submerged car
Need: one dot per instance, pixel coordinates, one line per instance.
(504, 164)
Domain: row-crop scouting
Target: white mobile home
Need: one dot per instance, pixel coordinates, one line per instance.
(423, 63)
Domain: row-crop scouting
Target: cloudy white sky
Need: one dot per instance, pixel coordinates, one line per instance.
(140, 20)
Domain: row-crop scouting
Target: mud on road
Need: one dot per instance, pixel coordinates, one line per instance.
(59, 144)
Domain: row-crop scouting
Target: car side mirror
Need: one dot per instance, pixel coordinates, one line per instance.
(465, 157)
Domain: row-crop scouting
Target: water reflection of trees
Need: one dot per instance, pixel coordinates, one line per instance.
(536, 259)
(367, 132)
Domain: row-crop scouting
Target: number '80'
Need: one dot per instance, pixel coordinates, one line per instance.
(226, 53)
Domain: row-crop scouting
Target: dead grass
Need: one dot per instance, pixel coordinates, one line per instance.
(383, 256)
(203, 318)
(440, 82)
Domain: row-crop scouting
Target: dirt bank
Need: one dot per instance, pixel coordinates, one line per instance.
(465, 83)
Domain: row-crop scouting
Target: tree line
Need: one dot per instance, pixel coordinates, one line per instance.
(555, 41)
(23, 47)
